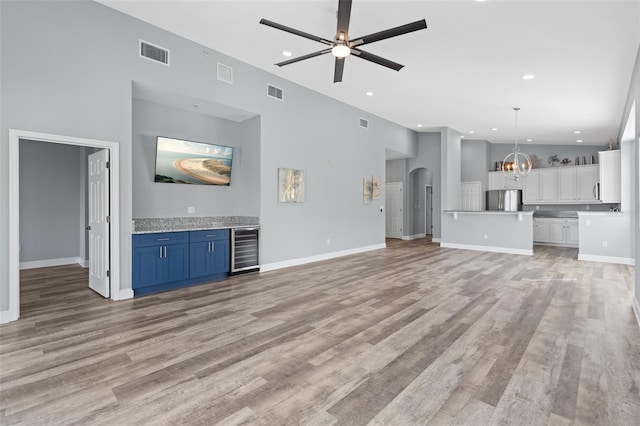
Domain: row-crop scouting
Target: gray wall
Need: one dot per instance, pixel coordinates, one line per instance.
(475, 162)
(612, 228)
(151, 199)
(51, 201)
(82, 86)
(502, 230)
(634, 96)
(542, 152)
(429, 154)
(451, 169)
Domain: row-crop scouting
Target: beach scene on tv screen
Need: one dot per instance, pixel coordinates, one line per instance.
(179, 161)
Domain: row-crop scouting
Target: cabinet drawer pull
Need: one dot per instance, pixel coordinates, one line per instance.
(163, 239)
(210, 235)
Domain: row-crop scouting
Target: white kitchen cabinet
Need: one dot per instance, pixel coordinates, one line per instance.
(540, 187)
(576, 184)
(556, 231)
(566, 184)
(586, 180)
(498, 180)
(541, 231)
(610, 176)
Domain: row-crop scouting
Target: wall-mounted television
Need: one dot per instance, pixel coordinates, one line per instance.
(180, 161)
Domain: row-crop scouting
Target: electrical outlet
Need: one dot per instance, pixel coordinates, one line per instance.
(191, 210)
(604, 244)
(486, 237)
(587, 222)
(537, 207)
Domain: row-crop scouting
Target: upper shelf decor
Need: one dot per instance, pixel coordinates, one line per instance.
(517, 164)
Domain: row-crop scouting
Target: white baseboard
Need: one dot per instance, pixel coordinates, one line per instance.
(53, 262)
(126, 293)
(607, 259)
(413, 237)
(84, 263)
(6, 317)
(507, 250)
(636, 308)
(304, 260)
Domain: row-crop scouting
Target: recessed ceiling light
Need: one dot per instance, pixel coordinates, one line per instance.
(286, 53)
(369, 93)
(471, 132)
(419, 125)
(495, 129)
(577, 132)
(579, 141)
(529, 140)
(528, 77)
(462, 136)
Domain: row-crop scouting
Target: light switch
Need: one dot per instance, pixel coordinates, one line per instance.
(191, 210)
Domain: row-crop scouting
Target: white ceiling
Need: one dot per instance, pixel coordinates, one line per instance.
(463, 72)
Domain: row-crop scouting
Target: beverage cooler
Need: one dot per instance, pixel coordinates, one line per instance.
(245, 250)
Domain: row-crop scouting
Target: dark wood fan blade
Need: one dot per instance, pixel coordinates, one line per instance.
(337, 74)
(302, 58)
(344, 15)
(376, 59)
(392, 32)
(294, 31)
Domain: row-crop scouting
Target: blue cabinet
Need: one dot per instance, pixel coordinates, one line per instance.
(209, 253)
(163, 261)
(160, 258)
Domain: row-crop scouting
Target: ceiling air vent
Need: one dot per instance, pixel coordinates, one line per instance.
(364, 123)
(154, 53)
(225, 73)
(275, 92)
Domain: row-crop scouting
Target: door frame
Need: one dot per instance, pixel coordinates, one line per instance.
(14, 209)
(428, 212)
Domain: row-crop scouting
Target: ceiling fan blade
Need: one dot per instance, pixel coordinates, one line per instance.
(337, 74)
(294, 31)
(391, 32)
(376, 59)
(344, 15)
(302, 58)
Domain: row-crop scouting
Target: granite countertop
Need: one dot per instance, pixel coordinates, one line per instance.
(177, 224)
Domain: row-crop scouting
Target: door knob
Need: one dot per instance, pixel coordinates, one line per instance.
(88, 228)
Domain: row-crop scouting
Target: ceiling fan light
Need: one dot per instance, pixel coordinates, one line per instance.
(341, 51)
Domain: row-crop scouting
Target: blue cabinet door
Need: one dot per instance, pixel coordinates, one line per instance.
(200, 259)
(220, 256)
(147, 266)
(176, 263)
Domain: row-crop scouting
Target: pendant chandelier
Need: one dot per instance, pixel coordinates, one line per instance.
(516, 164)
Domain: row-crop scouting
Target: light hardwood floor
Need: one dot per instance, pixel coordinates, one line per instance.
(413, 334)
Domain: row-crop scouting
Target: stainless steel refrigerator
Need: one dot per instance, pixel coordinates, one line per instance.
(508, 200)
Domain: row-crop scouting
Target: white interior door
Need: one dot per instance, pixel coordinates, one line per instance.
(470, 196)
(99, 222)
(393, 204)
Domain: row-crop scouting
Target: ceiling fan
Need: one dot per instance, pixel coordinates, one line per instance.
(342, 46)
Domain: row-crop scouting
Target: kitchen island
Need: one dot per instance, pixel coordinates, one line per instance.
(492, 231)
